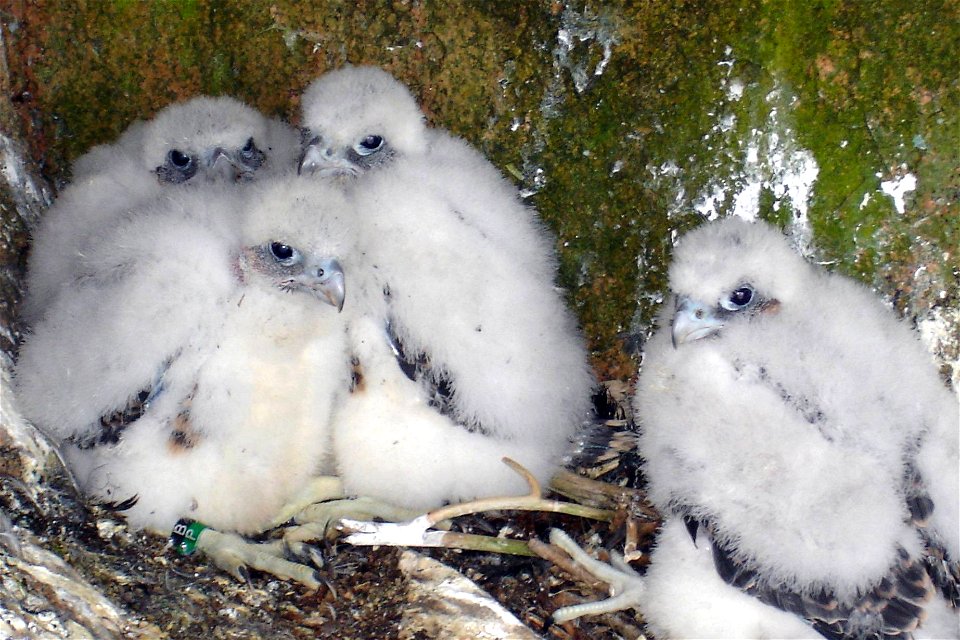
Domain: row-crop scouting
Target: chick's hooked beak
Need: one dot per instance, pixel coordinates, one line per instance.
(693, 320)
(324, 161)
(325, 279)
(222, 161)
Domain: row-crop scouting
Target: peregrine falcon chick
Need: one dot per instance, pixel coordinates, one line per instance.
(465, 346)
(787, 414)
(803, 451)
(193, 369)
(189, 143)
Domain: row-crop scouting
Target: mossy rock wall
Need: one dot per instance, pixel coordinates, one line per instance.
(624, 123)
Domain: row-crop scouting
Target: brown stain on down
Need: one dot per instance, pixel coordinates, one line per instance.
(358, 384)
(769, 307)
(183, 437)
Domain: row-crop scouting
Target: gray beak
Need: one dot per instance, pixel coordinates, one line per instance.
(693, 320)
(324, 162)
(326, 280)
(222, 161)
(217, 155)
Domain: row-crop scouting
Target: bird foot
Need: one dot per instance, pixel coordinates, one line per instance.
(236, 556)
(320, 505)
(318, 490)
(313, 522)
(319, 520)
(626, 585)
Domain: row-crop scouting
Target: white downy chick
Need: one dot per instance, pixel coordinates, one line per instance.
(193, 370)
(464, 342)
(190, 143)
(802, 434)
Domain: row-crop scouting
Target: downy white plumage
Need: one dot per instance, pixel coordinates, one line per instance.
(194, 142)
(802, 434)
(466, 350)
(193, 368)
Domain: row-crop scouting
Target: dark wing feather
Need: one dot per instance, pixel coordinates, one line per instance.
(112, 425)
(890, 611)
(417, 367)
(943, 570)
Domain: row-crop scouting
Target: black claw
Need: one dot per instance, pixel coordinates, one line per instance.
(292, 556)
(549, 622)
(316, 558)
(123, 505)
(329, 585)
(692, 526)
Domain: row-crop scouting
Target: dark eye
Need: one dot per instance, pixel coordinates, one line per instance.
(370, 144)
(738, 298)
(282, 252)
(179, 167)
(179, 159)
(251, 156)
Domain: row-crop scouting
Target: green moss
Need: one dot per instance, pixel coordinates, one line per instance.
(867, 90)
(616, 162)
